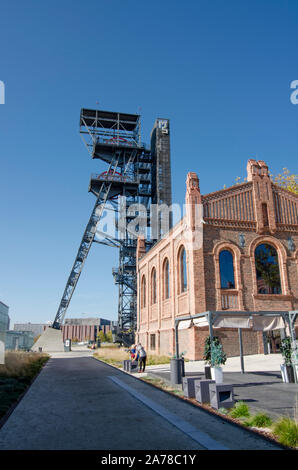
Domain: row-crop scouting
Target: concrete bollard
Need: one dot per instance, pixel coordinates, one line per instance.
(132, 366)
(188, 385)
(202, 390)
(177, 370)
(221, 396)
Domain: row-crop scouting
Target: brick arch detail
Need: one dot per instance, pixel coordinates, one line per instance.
(282, 261)
(236, 252)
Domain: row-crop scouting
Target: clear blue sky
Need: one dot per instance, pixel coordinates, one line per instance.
(219, 70)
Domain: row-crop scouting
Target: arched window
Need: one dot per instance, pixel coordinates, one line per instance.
(267, 269)
(182, 270)
(143, 292)
(153, 286)
(226, 266)
(166, 279)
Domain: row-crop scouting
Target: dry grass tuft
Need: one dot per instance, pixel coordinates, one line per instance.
(19, 363)
(113, 354)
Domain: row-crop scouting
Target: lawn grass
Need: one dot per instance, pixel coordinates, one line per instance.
(16, 375)
(111, 355)
(115, 355)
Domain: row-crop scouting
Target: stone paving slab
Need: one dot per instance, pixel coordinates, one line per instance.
(262, 391)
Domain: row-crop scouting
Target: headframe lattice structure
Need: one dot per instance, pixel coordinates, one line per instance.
(135, 175)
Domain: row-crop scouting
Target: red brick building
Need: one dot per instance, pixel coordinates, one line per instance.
(235, 249)
(85, 329)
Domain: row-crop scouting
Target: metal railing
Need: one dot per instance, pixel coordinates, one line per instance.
(116, 178)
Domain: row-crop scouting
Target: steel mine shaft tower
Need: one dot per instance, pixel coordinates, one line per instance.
(135, 175)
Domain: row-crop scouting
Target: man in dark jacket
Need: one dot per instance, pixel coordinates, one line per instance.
(142, 359)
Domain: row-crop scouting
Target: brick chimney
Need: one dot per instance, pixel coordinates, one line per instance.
(141, 247)
(257, 173)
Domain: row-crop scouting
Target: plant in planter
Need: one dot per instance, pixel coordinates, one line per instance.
(207, 354)
(218, 358)
(287, 371)
(180, 356)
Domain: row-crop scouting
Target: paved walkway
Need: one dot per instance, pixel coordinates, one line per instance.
(81, 403)
(252, 363)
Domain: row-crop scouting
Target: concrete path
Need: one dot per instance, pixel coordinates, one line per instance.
(81, 403)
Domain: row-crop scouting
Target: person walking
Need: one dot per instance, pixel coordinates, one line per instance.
(133, 353)
(142, 359)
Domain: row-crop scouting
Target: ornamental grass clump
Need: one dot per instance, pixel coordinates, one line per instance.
(259, 420)
(22, 364)
(286, 431)
(16, 375)
(240, 410)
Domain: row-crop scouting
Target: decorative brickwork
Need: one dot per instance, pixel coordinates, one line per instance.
(237, 219)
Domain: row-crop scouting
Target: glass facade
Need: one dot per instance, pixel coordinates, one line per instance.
(4, 321)
(16, 340)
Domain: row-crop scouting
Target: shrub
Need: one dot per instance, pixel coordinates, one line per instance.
(240, 410)
(286, 431)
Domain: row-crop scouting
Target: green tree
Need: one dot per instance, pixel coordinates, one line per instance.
(109, 337)
(101, 336)
(285, 180)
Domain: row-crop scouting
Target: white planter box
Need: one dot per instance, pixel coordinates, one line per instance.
(284, 374)
(217, 374)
